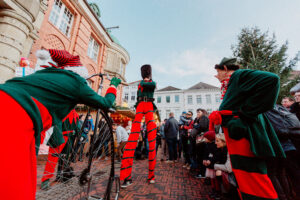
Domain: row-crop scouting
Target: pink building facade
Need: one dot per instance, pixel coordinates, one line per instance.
(74, 26)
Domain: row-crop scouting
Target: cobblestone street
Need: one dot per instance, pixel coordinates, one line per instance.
(172, 182)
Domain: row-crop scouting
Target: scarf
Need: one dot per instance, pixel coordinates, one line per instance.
(224, 86)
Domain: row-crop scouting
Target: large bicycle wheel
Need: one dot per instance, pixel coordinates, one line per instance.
(89, 171)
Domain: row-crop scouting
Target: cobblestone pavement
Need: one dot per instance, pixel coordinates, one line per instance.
(172, 182)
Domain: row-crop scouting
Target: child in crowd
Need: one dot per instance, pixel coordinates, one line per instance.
(210, 158)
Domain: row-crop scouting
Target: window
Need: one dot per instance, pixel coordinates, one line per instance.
(93, 49)
(158, 99)
(168, 99)
(126, 96)
(218, 98)
(199, 99)
(132, 96)
(190, 99)
(61, 17)
(208, 98)
(176, 98)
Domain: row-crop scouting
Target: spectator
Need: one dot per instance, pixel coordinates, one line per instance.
(171, 132)
(210, 159)
(186, 140)
(295, 107)
(287, 102)
(164, 143)
(222, 167)
(201, 124)
(122, 138)
(158, 136)
(182, 121)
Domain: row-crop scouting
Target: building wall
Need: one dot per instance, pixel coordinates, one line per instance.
(19, 23)
(183, 104)
(175, 106)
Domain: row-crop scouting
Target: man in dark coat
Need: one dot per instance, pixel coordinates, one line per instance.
(171, 133)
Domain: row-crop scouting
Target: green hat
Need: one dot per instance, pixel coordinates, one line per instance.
(230, 63)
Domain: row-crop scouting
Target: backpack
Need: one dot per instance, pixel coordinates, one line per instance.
(284, 122)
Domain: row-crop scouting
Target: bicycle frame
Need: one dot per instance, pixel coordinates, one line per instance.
(112, 177)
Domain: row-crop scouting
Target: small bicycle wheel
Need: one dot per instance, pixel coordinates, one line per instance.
(87, 168)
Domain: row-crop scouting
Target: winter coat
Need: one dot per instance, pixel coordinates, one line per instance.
(202, 124)
(210, 153)
(226, 167)
(295, 108)
(171, 128)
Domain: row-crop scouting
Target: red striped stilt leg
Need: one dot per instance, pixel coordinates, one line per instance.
(249, 170)
(151, 131)
(128, 155)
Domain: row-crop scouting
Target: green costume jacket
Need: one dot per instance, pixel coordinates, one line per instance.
(146, 89)
(59, 91)
(249, 94)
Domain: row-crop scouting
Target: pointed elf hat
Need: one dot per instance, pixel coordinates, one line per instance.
(61, 59)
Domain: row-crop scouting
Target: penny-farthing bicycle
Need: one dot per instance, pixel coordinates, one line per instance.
(88, 170)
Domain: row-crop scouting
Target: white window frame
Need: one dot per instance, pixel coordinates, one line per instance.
(208, 98)
(159, 98)
(199, 99)
(177, 100)
(126, 96)
(93, 49)
(62, 18)
(132, 98)
(190, 99)
(167, 99)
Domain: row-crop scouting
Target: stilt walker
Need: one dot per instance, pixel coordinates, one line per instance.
(30, 105)
(69, 129)
(250, 138)
(145, 107)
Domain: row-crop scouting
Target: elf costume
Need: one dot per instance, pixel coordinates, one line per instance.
(145, 107)
(69, 130)
(32, 104)
(249, 135)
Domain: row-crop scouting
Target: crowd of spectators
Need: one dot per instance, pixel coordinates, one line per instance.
(204, 153)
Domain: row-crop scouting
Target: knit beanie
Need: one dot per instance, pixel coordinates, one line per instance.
(210, 135)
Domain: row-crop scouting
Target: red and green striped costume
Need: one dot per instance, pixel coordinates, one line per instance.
(69, 126)
(145, 89)
(29, 106)
(249, 136)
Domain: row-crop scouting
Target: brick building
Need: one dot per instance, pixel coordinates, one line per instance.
(75, 26)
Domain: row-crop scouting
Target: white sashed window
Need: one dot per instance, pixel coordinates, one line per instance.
(61, 17)
(190, 99)
(93, 49)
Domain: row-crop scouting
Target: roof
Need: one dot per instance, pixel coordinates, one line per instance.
(168, 88)
(202, 85)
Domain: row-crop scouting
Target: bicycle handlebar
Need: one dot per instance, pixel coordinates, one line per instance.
(102, 75)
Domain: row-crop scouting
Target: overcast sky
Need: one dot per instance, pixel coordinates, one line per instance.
(184, 39)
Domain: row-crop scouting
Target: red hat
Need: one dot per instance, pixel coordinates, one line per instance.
(210, 135)
(64, 58)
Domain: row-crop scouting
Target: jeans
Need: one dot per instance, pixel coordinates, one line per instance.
(172, 145)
